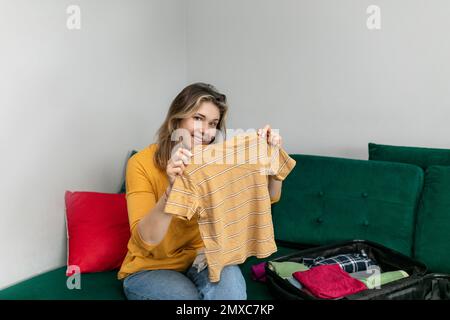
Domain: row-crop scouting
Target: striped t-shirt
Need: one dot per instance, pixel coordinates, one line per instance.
(226, 186)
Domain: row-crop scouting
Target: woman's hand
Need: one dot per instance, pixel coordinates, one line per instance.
(177, 163)
(273, 138)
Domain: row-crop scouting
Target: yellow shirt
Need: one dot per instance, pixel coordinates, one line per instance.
(145, 184)
(225, 188)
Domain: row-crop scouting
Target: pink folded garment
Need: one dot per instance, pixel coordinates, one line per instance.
(329, 282)
(258, 272)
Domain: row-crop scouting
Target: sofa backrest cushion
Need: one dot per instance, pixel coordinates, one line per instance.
(123, 186)
(326, 199)
(432, 244)
(422, 157)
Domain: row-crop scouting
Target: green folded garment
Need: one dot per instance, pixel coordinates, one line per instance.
(287, 268)
(373, 280)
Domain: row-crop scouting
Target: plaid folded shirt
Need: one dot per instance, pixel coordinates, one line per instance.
(351, 262)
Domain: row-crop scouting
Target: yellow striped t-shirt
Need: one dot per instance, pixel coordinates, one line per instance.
(225, 186)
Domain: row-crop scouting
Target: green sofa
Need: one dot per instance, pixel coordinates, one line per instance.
(398, 198)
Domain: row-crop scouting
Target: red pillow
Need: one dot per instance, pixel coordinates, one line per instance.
(97, 230)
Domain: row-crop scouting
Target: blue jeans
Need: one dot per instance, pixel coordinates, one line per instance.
(189, 285)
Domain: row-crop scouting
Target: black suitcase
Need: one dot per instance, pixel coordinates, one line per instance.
(417, 286)
(433, 286)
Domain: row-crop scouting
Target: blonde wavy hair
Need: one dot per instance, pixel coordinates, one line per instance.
(185, 104)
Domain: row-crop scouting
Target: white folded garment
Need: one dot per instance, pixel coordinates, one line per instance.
(200, 260)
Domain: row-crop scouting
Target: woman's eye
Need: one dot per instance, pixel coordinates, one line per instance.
(197, 118)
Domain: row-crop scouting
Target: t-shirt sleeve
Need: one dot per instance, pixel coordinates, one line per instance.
(183, 200)
(281, 164)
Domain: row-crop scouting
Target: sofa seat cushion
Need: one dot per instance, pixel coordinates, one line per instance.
(105, 286)
(327, 200)
(52, 286)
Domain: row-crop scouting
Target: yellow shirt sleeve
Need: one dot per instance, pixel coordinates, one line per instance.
(141, 198)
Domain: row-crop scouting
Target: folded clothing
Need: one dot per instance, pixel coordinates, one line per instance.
(200, 262)
(349, 262)
(258, 272)
(294, 282)
(285, 269)
(377, 279)
(329, 282)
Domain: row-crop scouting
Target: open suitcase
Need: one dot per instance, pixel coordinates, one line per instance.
(430, 287)
(418, 285)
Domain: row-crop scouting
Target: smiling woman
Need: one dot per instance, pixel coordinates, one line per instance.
(161, 250)
(161, 260)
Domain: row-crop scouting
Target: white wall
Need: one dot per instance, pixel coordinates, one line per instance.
(314, 70)
(72, 105)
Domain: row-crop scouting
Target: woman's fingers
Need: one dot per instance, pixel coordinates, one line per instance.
(183, 155)
(183, 158)
(267, 131)
(186, 156)
(273, 138)
(185, 152)
(177, 171)
(264, 132)
(178, 163)
(276, 140)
